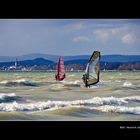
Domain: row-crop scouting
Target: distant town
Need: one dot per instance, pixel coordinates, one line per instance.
(41, 64)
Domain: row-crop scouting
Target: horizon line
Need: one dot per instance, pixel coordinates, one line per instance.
(65, 55)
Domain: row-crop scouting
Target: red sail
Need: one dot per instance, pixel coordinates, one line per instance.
(60, 75)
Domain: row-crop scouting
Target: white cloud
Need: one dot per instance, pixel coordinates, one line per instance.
(76, 26)
(102, 35)
(89, 26)
(129, 39)
(81, 39)
(122, 33)
(119, 30)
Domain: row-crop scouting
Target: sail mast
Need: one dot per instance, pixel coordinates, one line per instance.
(58, 66)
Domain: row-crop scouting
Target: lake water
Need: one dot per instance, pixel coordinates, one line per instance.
(38, 96)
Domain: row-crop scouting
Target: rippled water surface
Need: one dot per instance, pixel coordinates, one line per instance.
(37, 96)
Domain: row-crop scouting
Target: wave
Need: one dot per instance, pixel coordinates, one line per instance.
(98, 85)
(105, 81)
(36, 106)
(5, 97)
(56, 86)
(71, 75)
(118, 81)
(75, 83)
(19, 82)
(70, 82)
(118, 109)
(127, 84)
(132, 98)
(103, 104)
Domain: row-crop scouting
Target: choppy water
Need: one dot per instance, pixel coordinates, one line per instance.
(37, 96)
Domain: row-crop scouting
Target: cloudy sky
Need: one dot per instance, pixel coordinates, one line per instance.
(69, 36)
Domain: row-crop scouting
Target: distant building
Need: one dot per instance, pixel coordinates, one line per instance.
(16, 63)
(13, 67)
(71, 69)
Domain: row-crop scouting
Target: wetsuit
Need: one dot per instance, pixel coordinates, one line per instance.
(85, 80)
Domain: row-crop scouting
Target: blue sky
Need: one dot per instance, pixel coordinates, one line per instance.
(69, 36)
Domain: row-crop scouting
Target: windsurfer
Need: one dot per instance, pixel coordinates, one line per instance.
(56, 76)
(85, 79)
(64, 75)
(91, 75)
(60, 71)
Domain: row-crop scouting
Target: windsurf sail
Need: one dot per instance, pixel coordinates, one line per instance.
(60, 71)
(92, 71)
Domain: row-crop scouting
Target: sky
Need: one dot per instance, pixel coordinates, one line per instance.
(69, 36)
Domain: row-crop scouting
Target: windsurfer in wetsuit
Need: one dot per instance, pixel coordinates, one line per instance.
(56, 76)
(64, 75)
(85, 80)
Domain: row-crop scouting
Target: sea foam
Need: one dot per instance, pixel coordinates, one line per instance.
(118, 109)
(103, 104)
(5, 95)
(18, 82)
(127, 84)
(15, 106)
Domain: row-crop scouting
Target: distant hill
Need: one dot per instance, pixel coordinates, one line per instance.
(120, 58)
(38, 55)
(110, 63)
(104, 58)
(37, 61)
(28, 57)
(81, 61)
(71, 59)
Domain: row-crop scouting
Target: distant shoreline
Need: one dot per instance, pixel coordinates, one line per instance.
(67, 71)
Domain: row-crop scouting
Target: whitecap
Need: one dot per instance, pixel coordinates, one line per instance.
(36, 106)
(132, 98)
(71, 75)
(4, 82)
(19, 80)
(118, 81)
(105, 81)
(118, 109)
(127, 84)
(5, 95)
